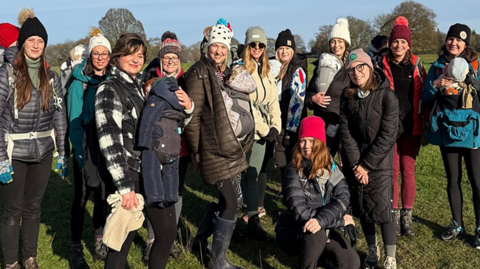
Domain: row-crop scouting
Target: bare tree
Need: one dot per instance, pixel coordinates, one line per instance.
(271, 47)
(320, 44)
(361, 33)
(118, 21)
(301, 48)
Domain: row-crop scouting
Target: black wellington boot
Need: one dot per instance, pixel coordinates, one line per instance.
(221, 240)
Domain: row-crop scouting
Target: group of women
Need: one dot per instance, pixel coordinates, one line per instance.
(232, 118)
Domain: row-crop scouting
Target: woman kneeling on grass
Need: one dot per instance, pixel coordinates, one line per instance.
(316, 195)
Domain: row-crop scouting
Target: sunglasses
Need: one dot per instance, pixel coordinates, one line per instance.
(257, 44)
(359, 68)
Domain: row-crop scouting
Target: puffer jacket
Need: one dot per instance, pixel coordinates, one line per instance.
(116, 121)
(304, 200)
(368, 130)
(209, 132)
(31, 118)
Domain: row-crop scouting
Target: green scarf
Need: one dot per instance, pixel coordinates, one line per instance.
(33, 71)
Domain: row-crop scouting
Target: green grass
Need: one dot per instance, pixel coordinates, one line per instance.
(424, 250)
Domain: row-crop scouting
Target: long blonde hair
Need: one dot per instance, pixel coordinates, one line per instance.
(320, 158)
(284, 67)
(251, 65)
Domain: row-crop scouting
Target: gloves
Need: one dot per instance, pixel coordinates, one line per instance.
(62, 164)
(352, 232)
(6, 172)
(272, 134)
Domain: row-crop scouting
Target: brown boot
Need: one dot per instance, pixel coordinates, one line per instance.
(407, 223)
(396, 215)
(30, 263)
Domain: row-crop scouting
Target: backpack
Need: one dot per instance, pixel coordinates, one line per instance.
(328, 66)
(167, 144)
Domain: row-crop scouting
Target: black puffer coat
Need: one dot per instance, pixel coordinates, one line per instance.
(31, 118)
(304, 200)
(368, 132)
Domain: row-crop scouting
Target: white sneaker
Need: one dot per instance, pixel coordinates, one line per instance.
(390, 263)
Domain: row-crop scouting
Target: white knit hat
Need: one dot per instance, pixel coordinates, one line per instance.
(340, 30)
(99, 40)
(220, 34)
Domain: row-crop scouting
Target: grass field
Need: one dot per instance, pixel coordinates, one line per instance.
(424, 250)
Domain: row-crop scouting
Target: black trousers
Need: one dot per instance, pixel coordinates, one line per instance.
(314, 250)
(21, 201)
(80, 199)
(230, 200)
(452, 160)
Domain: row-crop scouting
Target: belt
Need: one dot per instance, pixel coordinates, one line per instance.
(10, 138)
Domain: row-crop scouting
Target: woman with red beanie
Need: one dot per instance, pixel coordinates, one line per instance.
(368, 130)
(406, 74)
(316, 195)
(8, 36)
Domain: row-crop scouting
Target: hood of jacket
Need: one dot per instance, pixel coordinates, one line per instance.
(162, 90)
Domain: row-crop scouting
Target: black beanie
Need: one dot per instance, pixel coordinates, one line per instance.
(32, 27)
(285, 38)
(461, 31)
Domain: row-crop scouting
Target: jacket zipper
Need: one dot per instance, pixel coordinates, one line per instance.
(263, 85)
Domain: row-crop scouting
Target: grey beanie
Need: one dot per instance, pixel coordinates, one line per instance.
(255, 34)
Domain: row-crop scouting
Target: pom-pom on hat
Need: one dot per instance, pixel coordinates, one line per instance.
(461, 31)
(30, 26)
(285, 38)
(400, 30)
(97, 39)
(220, 34)
(255, 34)
(8, 34)
(458, 69)
(312, 126)
(358, 55)
(169, 45)
(340, 30)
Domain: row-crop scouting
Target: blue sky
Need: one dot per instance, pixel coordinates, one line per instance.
(71, 20)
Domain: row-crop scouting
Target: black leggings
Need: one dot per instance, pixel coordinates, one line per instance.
(230, 199)
(21, 200)
(80, 199)
(389, 233)
(452, 160)
(314, 250)
(165, 227)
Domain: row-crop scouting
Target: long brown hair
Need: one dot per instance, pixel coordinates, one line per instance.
(469, 54)
(23, 82)
(127, 44)
(251, 65)
(343, 59)
(371, 85)
(320, 158)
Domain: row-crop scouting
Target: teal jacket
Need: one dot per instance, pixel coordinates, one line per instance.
(81, 106)
(450, 127)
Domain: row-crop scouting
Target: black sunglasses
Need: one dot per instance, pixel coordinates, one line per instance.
(254, 45)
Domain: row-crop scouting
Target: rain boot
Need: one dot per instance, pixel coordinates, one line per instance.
(221, 240)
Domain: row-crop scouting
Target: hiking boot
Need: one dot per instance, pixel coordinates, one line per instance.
(453, 231)
(30, 263)
(262, 212)
(407, 222)
(371, 261)
(14, 265)
(255, 230)
(146, 252)
(390, 263)
(175, 250)
(396, 215)
(101, 251)
(77, 258)
(476, 244)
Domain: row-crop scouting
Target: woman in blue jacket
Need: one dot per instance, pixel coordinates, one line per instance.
(87, 162)
(455, 140)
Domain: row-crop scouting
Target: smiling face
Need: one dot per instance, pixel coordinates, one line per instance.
(256, 50)
(284, 54)
(132, 63)
(306, 146)
(337, 46)
(455, 46)
(170, 62)
(34, 47)
(359, 73)
(399, 48)
(218, 53)
(100, 57)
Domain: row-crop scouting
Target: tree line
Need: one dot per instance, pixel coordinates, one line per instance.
(426, 36)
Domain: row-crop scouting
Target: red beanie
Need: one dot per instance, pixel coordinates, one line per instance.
(312, 126)
(400, 30)
(8, 34)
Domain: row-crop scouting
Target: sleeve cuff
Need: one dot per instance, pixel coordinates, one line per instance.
(190, 111)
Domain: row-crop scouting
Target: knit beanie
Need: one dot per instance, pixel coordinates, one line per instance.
(400, 30)
(458, 69)
(285, 38)
(8, 34)
(255, 34)
(340, 30)
(97, 39)
(358, 55)
(312, 126)
(220, 34)
(30, 26)
(461, 31)
(377, 41)
(169, 45)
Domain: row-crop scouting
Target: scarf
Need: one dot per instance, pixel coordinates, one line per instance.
(33, 71)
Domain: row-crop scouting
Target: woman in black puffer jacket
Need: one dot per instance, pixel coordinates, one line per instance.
(317, 197)
(368, 130)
